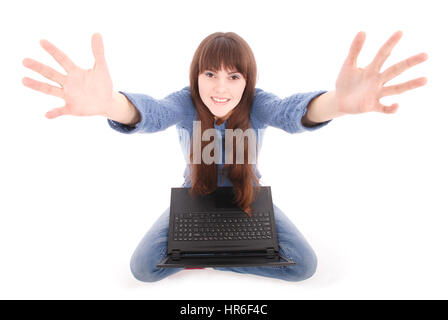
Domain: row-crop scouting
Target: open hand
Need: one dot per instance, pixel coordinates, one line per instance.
(359, 90)
(86, 92)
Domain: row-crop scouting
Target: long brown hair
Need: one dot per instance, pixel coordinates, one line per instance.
(228, 51)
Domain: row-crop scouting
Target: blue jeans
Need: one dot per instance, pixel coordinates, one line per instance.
(153, 249)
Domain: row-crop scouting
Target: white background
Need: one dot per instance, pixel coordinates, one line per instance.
(368, 191)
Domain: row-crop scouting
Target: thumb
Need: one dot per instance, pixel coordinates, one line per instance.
(54, 113)
(98, 50)
(386, 109)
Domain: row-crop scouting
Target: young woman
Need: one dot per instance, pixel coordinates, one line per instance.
(222, 95)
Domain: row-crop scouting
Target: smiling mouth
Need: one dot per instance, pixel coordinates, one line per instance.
(220, 101)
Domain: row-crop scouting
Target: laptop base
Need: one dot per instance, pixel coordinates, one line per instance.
(208, 261)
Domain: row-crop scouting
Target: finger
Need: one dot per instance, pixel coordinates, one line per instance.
(355, 48)
(386, 109)
(98, 50)
(58, 55)
(54, 113)
(385, 51)
(402, 87)
(43, 87)
(44, 70)
(402, 66)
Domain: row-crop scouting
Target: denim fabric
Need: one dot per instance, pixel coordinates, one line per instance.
(153, 249)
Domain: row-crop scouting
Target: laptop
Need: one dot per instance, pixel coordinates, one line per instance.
(212, 231)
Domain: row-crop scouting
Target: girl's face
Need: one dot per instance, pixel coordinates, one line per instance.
(225, 85)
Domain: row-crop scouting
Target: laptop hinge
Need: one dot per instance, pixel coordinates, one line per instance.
(270, 253)
(175, 254)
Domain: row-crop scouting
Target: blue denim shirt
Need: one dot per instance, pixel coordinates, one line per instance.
(178, 109)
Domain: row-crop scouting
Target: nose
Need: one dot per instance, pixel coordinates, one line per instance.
(220, 86)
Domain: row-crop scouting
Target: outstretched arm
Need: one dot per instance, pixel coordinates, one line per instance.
(359, 90)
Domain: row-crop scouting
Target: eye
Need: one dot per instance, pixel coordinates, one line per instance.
(209, 75)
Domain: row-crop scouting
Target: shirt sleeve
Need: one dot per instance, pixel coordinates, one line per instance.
(156, 115)
(285, 114)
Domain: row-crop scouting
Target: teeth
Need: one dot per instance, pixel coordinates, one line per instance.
(220, 100)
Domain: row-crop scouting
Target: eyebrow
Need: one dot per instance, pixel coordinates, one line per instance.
(236, 71)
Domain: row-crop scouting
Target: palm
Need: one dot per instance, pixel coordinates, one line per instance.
(85, 92)
(356, 89)
(359, 90)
